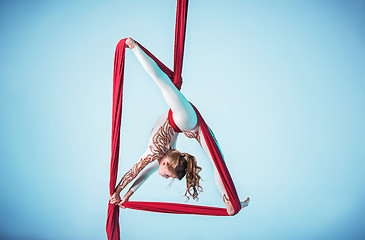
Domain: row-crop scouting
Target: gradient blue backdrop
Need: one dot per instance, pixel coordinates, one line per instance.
(280, 82)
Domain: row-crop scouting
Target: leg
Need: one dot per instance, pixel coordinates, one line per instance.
(184, 114)
(218, 180)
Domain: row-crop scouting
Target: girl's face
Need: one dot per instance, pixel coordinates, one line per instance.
(163, 169)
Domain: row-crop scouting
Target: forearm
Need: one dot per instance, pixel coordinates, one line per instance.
(130, 175)
(119, 188)
(140, 172)
(122, 183)
(128, 194)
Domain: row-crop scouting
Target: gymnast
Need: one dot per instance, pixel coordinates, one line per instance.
(161, 154)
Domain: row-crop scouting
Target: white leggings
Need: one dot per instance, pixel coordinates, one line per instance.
(183, 113)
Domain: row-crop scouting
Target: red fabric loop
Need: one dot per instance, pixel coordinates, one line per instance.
(172, 122)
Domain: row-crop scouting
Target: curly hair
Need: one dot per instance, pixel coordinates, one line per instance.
(183, 164)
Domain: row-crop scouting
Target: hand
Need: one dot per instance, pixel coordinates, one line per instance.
(125, 199)
(115, 198)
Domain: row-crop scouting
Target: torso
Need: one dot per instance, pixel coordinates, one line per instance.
(162, 138)
(163, 135)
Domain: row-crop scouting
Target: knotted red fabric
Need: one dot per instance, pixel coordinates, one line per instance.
(112, 226)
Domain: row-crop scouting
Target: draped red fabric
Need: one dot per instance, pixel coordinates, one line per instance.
(172, 122)
(180, 29)
(112, 225)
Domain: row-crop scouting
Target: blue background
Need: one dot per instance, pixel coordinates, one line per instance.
(281, 83)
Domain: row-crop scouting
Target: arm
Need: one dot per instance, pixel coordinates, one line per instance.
(161, 137)
(141, 172)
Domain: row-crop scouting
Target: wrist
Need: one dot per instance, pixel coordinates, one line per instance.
(118, 189)
(129, 193)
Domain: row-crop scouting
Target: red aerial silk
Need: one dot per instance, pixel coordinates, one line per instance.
(112, 226)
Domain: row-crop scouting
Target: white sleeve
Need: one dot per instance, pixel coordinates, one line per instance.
(139, 168)
(144, 175)
(162, 136)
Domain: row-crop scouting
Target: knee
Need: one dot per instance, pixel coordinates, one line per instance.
(186, 122)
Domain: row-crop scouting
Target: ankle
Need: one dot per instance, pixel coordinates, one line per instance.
(130, 43)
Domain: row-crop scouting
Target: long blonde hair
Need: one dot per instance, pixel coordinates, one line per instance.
(182, 164)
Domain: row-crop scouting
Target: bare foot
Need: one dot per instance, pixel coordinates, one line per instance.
(245, 203)
(230, 209)
(130, 43)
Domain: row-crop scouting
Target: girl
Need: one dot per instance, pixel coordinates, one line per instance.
(161, 154)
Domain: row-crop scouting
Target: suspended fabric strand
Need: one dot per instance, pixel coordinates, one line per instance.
(112, 225)
(180, 30)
